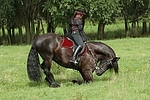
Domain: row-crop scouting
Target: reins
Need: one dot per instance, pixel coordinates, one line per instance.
(90, 50)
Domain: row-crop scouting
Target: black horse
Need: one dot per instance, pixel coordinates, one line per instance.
(52, 47)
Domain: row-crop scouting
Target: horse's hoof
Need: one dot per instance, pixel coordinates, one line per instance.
(46, 79)
(77, 82)
(54, 85)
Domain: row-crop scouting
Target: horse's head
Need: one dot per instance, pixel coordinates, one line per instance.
(107, 64)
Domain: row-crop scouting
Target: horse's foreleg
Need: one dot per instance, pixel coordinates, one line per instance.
(49, 76)
(83, 76)
(87, 75)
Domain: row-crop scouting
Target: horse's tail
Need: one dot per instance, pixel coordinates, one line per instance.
(33, 64)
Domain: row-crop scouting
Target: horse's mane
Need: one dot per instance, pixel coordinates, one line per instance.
(100, 47)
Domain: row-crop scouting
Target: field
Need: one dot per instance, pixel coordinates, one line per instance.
(132, 83)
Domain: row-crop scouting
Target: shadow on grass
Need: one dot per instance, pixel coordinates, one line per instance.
(73, 79)
(34, 84)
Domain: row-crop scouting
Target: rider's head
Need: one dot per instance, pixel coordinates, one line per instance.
(80, 13)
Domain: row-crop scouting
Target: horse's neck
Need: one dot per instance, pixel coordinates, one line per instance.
(101, 49)
(90, 50)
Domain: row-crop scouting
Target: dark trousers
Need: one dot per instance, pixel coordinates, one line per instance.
(77, 39)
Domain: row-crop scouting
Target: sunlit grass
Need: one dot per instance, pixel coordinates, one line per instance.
(132, 83)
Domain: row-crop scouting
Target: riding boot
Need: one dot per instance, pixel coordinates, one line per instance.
(73, 59)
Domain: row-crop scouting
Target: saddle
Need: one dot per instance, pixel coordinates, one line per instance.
(68, 43)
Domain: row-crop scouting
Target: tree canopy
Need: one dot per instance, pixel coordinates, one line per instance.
(29, 14)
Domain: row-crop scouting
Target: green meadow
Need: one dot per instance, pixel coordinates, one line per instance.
(132, 83)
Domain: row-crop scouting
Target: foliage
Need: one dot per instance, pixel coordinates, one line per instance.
(29, 14)
(132, 83)
(134, 9)
(7, 12)
(60, 12)
(104, 11)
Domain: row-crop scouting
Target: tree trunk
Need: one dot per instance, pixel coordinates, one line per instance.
(20, 35)
(28, 22)
(27, 29)
(13, 36)
(32, 31)
(9, 36)
(50, 28)
(43, 31)
(65, 31)
(149, 27)
(100, 34)
(134, 32)
(144, 31)
(38, 28)
(4, 39)
(126, 27)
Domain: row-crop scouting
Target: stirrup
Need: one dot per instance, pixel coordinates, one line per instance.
(73, 61)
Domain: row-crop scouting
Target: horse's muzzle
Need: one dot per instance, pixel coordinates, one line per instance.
(99, 71)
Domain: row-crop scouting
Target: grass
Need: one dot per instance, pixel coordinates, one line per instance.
(132, 83)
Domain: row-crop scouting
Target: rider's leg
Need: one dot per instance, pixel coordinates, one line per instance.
(78, 40)
(73, 59)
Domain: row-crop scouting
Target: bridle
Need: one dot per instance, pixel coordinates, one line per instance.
(108, 62)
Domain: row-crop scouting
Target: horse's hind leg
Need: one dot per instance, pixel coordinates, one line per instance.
(49, 76)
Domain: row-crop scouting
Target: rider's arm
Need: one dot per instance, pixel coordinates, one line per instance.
(79, 23)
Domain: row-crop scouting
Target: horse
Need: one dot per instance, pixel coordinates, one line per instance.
(97, 57)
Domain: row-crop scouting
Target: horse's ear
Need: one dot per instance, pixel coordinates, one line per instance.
(116, 58)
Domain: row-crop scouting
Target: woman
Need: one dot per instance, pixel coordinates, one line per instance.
(76, 33)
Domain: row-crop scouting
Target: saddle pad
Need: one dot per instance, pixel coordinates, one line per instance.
(66, 42)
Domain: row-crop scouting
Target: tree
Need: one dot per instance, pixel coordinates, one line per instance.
(15, 14)
(104, 12)
(146, 17)
(133, 10)
(7, 16)
(31, 14)
(149, 16)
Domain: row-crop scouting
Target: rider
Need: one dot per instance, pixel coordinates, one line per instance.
(76, 33)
